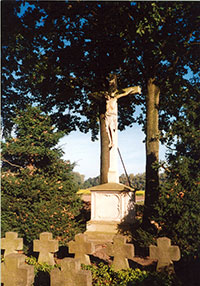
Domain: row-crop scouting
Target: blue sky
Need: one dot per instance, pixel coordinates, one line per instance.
(79, 148)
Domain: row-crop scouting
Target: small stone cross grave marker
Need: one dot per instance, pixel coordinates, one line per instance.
(11, 243)
(46, 246)
(14, 271)
(81, 247)
(164, 253)
(121, 251)
(70, 274)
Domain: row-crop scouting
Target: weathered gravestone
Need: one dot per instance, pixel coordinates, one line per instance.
(46, 246)
(164, 253)
(14, 271)
(11, 243)
(121, 251)
(81, 247)
(70, 274)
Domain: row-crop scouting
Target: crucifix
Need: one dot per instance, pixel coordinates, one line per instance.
(111, 124)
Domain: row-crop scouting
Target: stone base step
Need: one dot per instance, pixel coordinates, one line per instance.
(100, 237)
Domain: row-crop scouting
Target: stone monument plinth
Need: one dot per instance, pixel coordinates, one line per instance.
(111, 204)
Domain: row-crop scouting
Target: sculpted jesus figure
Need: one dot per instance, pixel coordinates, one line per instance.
(111, 119)
(108, 121)
(111, 108)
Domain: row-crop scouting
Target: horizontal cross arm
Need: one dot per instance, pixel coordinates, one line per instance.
(129, 90)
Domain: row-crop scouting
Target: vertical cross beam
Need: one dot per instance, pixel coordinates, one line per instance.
(46, 246)
(11, 243)
(164, 253)
(81, 247)
(112, 131)
(121, 251)
(108, 101)
(111, 123)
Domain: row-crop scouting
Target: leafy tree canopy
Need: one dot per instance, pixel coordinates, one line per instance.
(58, 53)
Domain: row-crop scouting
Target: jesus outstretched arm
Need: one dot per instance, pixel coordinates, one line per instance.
(129, 90)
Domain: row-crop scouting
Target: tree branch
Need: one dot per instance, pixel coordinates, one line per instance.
(177, 58)
(165, 168)
(14, 165)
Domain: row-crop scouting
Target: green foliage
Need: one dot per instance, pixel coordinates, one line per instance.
(53, 65)
(59, 59)
(38, 189)
(105, 275)
(79, 179)
(137, 181)
(91, 182)
(178, 208)
(40, 266)
(179, 203)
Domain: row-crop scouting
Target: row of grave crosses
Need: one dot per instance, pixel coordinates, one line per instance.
(71, 273)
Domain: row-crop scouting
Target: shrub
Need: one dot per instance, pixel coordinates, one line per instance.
(178, 208)
(105, 275)
(38, 190)
(40, 266)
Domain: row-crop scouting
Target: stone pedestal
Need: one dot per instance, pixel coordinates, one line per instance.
(111, 204)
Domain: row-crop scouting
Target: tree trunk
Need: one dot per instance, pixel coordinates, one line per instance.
(104, 161)
(152, 150)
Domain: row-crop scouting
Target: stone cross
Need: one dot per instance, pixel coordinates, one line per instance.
(46, 246)
(14, 271)
(81, 247)
(121, 251)
(70, 274)
(111, 122)
(11, 243)
(164, 253)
